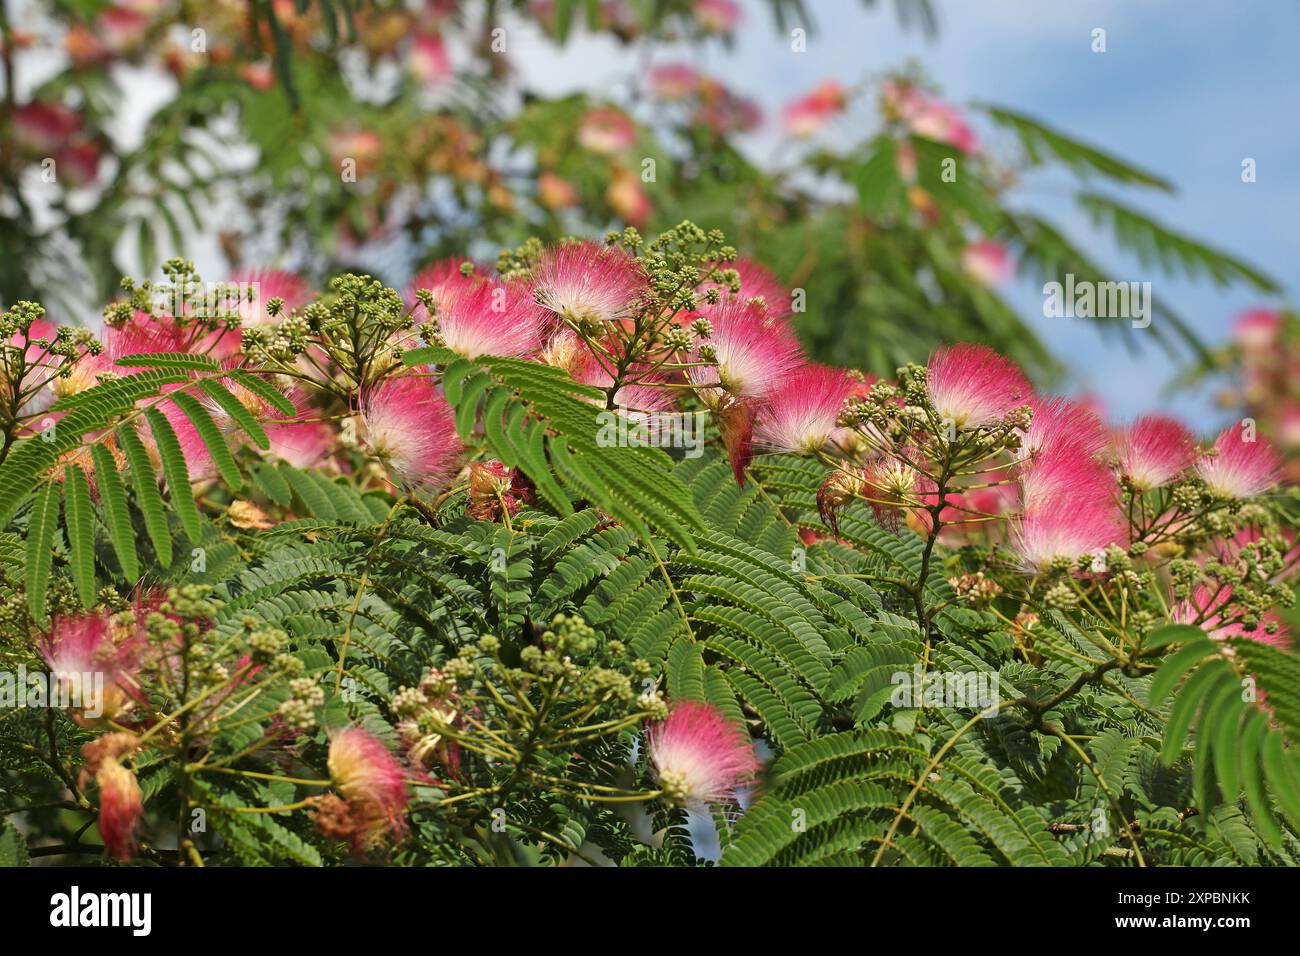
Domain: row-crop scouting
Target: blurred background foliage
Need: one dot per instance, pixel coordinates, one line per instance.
(320, 135)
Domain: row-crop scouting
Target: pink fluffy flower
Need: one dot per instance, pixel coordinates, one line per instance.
(755, 283)
(1257, 329)
(141, 335)
(628, 198)
(754, 350)
(1239, 468)
(428, 60)
(987, 262)
(1065, 475)
(1208, 609)
(800, 414)
(808, 114)
(588, 282)
(444, 279)
(1065, 527)
(82, 651)
(490, 318)
(1060, 425)
(606, 131)
(699, 756)
(410, 428)
(265, 285)
(972, 385)
(121, 805)
(1153, 451)
(672, 81)
(717, 16)
(372, 782)
(44, 127)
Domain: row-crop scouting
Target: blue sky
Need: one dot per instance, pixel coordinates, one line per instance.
(1186, 88)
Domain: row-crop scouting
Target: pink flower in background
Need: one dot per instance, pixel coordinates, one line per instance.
(925, 116)
(43, 128)
(268, 284)
(372, 783)
(555, 192)
(1239, 468)
(699, 756)
(444, 279)
(121, 805)
(672, 81)
(77, 164)
(1256, 329)
(717, 16)
(801, 414)
(627, 198)
(301, 444)
(411, 429)
(755, 283)
(1062, 426)
(121, 29)
(428, 60)
(1207, 609)
(606, 131)
(942, 123)
(141, 335)
(83, 47)
(588, 282)
(81, 645)
(755, 351)
(972, 385)
(1153, 451)
(722, 111)
(355, 148)
(260, 76)
(1288, 427)
(488, 317)
(987, 262)
(808, 114)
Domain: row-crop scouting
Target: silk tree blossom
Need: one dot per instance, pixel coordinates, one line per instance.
(627, 197)
(1256, 330)
(268, 284)
(1153, 451)
(372, 784)
(755, 283)
(444, 279)
(140, 335)
(585, 282)
(699, 756)
(1208, 608)
(121, 803)
(1065, 528)
(606, 131)
(808, 114)
(801, 414)
(428, 60)
(754, 351)
(1239, 468)
(41, 128)
(1065, 475)
(1060, 425)
(987, 262)
(491, 318)
(411, 429)
(82, 647)
(672, 81)
(971, 385)
(717, 16)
